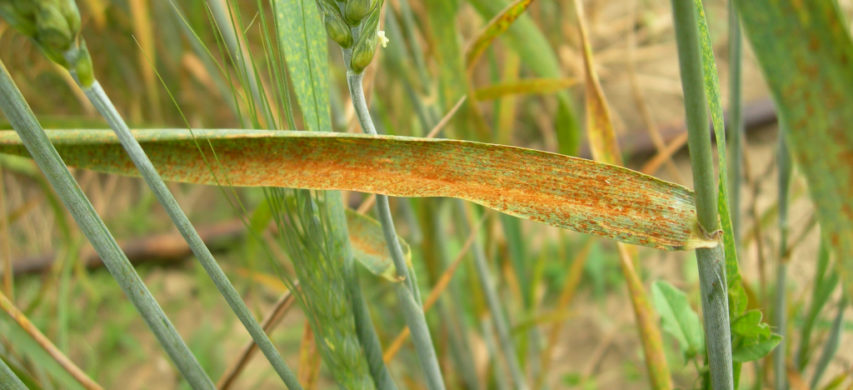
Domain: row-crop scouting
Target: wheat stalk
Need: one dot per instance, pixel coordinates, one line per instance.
(313, 230)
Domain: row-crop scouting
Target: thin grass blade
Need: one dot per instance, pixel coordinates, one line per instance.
(453, 80)
(735, 119)
(21, 319)
(831, 345)
(780, 309)
(493, 302)
(239, 54)
(272, 319)
(824, 284)
(5, 246)
(8, 379)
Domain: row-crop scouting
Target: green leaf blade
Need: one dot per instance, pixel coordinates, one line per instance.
(302, 38)
(751, 338)
(678, 318)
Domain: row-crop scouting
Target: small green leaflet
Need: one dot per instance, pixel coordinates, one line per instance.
(679, 319)
(751, 338)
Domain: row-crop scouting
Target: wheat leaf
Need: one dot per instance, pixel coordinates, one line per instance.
(528, 41)
(369, 247)
(805, 49)
(539, 86)
(495, 27)
(559, 190)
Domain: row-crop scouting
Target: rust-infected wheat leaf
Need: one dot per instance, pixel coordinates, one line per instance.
(805, 52)
(559, 190)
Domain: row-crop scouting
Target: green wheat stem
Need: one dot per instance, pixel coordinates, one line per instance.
(23, 120)
(313, 226)
(383, 208)
(367, 335)
(831, 345)
(489, 340)
(102, 103)
(735, 137)
(780, 308)
(8, 379)
(364, 326)
(779, 320)
(5, 248)
(712, 276)
(449, 307)
(406, 290)
(493, 302)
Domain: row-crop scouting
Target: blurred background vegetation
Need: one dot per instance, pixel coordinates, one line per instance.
(158, 77)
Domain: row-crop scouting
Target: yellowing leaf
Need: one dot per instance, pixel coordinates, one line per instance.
(528, 86)
(559, 190)
(369, 247)
(599, 127)
(495, 27)
(602, 142)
